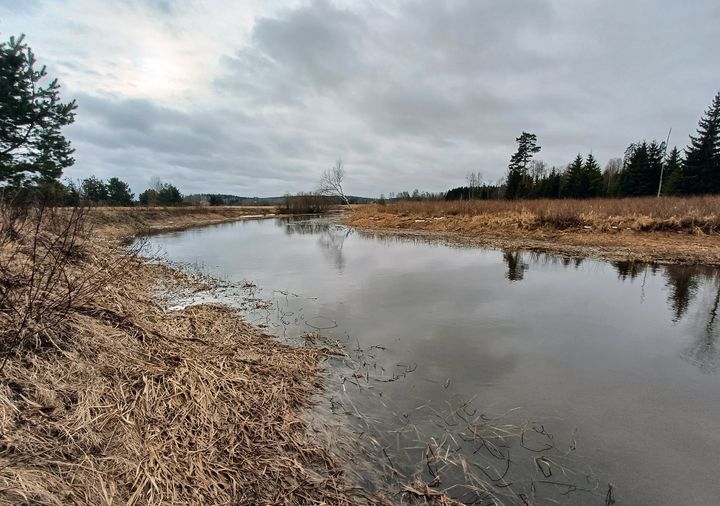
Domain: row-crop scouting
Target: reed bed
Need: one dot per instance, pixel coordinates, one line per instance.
(107, 398)
(677, 214)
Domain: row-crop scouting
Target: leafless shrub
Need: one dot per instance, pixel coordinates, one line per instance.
(40, 284)
(306, 203)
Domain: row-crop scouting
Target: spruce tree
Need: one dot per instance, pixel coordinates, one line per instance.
(672, 176)
(592, 180)
(702, 157)
(642, 168)
(573, 184)
(517, 179)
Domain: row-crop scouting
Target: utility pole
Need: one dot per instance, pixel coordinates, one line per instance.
(662, 167)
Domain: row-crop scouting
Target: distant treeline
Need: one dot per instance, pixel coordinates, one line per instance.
(113, 192)
(645, 169)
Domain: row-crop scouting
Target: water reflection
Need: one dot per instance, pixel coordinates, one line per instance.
(515, 265)
(331, 236)
(620, 355)
(703, 350)
(684, 282)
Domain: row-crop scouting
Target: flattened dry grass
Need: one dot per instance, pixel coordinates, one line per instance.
(122, 402)
(690, 214)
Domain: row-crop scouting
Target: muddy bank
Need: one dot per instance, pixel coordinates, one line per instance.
(523, 232)
(106, 397)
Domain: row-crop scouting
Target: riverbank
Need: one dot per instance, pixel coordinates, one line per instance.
(131, 221)
(667, 230)
(106, 397)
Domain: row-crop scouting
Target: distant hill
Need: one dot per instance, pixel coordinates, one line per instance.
(235, 200)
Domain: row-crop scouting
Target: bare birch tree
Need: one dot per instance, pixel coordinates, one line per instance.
(474, 181)
(331, 182)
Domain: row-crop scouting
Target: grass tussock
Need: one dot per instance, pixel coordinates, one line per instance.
(667, 214)
(106, 398)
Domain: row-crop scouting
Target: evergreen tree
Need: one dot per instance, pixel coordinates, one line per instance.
(149, 197)
(118, 192)
(32, 148)
(548, 187)
(672, 176)
(169, 196)
(71, 195)
(573, 181)
(642, 167)
(592, 178)
(702, 157)
(94, 190)
(518, 184)
(554, 182)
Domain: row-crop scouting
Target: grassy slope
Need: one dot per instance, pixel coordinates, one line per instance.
(117, 401)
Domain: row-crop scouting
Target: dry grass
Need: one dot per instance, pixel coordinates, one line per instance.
(669, 229)
(114, 221)
(122, 402)
(640, 214)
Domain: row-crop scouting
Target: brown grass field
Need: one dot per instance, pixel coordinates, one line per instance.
(108, 398)
(668, 229)
(128, 221)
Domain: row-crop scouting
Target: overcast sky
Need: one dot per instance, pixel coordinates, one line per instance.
(258, 97)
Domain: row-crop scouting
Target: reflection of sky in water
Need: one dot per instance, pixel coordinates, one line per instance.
(626, 354)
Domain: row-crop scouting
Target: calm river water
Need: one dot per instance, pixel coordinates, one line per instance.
(610, 369)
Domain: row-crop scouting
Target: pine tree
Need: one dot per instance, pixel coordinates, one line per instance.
(32, 148)
(592, 180)
(702, 157)
(573, 184)
(672, 176)
(94, 190)
(517, 178)
(642, 168)
(118, 192)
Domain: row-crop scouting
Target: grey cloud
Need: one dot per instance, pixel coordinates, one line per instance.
(409, 93)
(315, 44)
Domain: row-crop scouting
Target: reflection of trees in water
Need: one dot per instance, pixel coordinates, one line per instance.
(331, 237)
(629, 270)
(684, 283)
(703, 350)
(516, 266)
(303, 226)
(332, 241)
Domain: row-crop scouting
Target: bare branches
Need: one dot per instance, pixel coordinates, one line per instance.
(331, 182)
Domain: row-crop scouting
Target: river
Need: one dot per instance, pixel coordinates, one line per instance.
(576, 380)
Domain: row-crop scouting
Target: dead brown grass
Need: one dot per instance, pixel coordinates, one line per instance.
(123, 402)
(669, 229)
(117, 221)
